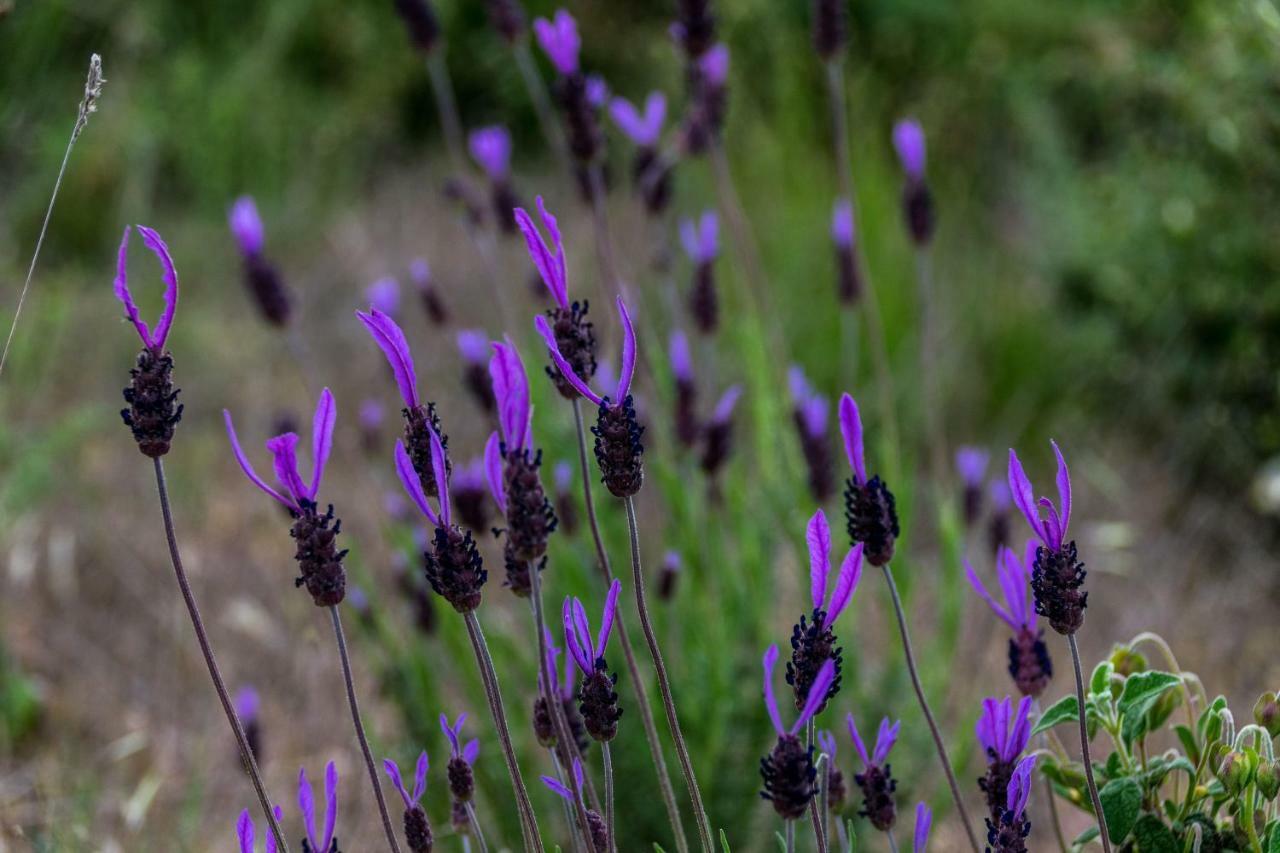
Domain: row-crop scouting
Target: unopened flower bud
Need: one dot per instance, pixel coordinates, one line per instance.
(1266, 713)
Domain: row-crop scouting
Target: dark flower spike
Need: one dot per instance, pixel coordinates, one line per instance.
(294, 493)
(788, 771)
(413, 485)
(419, 779)
(701, 238)
(567, 371)
(152, 340)
(642, 129)
(262, 278)
(810, 406)
(971, 465)
(1051, 527)
(1003, 736)
(924, 822)
(908, 141)
(817, 694)
(595, 823)
(417, 829)
(870, 511)
(818, 536)
(1008, 832)
(559, 39)
(462, 783)
(306, 805)
(876, 780)
(577, 631)
(842, 235)
(246, 833)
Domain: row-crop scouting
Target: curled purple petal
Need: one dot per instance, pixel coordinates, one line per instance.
(576, 650)
(247, 468)
(246, 225)
(643, 130)
(511, 390)
(851, 429)
(908, 140)
(818, 536)
(1023, 497)
(857, 740)
(391, 339)
(413, 483)
(491, 148)
(420, 776)
(1020, 786)
(770, 701)
(121, 287)
(817, 695)
(544, 329)
(550, 265)
(924, 822)
(393, 770)
(283, 449)
(606, 619)
(152, 241)
(1064, 490)
(440, 467)
(321, 438)
(846, 584)
(628, 352)
(555, 785)
(493, 471)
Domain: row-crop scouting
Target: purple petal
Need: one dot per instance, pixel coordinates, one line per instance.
(724, 407)
(307, 806)
(846, 583)
(1064, 490)
(709, 236)
(393, 770)
(550, 265)
(1020, 786)
(814, 415)
(555, 785)
(582, 628)
(817, 695)
(770, 701)
(606, 619)
(450, 732)
(121, 287)
(471, 750)
(247, 704)
(886, 737)
(641, 130)
(246, 225)
(491, 149)
(511, 390)
(247, 468)
(330, 803)
(413, 484)
(420, 776)
(714, 65)
(971, 463)
(440, 467)
(842, 223)
(559, 39)
(998, 492)
(827, 743)
(851, 429)
(1023, 497)
(689, 239)
(818, 536)
(798, 385)
(976, 583)
(391, 339)
(576, 650)
(152, 241)
(322, 438)
(283, 449)
(1014, 585)
(473, 344)
(540, 323)
(1021, 732)
(244, 832)
(628, 352)
(984, 728)
(908, 139)
(857, 740)
(578, 775)
(493, 471)
(681, 360)
(924, 821)
(597, 91)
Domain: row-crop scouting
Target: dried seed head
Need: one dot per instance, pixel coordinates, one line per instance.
(704, 303)
(1029, 663)
(599, 703)
(319, 560)
(92, 91)
(577, 342)
(618, 449)
(417, 830)
(462, 783)
(419, 422)
(1056, 579)
(454, 568)
(877, 785)
(829, 27)
(872, 518)
(812, 645)
(530, 517)
(789, 775)
(152, 414)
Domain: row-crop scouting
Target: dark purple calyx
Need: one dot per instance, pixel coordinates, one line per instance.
(812, 645)
(419, 422)
(697, 26)
(789, 775)
(153, 411)
(877, 785)
(1008, 834)
(1029, 663)
(704, 303)
(995, 785)
(543, 726)
(917, 210)
(421, 23)
(417, 830)
(872, 518)
(319, 560)
(619, 451)
(433, 305)
(817, 457)
(1056, 579)
(688, 427)
(268, 289)
(307, 848)
(517, 571)
(577, 342)
(504, 201)
(462, 782)
(530, 517)
(460, 818)
(598, 703)
(454, 568)
(717, 443)
(582, 126)
(849, 280)
(599, 830)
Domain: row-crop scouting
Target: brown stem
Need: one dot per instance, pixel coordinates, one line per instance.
(608, 795)
(924, 706)
(246, 754)
(664, 684)
(819, 831)
(341, 639)
(1084, 747)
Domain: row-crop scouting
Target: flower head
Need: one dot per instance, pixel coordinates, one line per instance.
(924, 822)
(567, 371)
(818, 536)
(419, 779)
(306, 805)
(701, 239)
(549, 261)
(817, 693)
(1002, 732)
(293, 492)
(384, 296)
(908, 141)
(412, 482)
(886, 737)
(473, 345)
(559, 39)
(842, 223)
(577, 631)
(681, 360)
(467, 752)
(1014, 575)
(642, 129)
(971, 464)
(810, 406)
(491, 149)
(1051, 529)
(714, 65)
(245, 831)
(511, 390)
(152, 340)
(246, 225)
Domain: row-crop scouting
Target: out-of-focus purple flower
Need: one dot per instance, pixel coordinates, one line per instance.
(688, 427)
(563, 476)
(247, 704)
(851, 430)
(566, 505)
(567, 371)
(788, 770)
(701, 239)
(842, 223)
(559, 39)
(842, 235)
(830, 27)
(245, 832)
(998, 533)
(293, 492)
(307, 806)
(971, 464)
(924, 822)
(810, 406)
(467, 752)
(681, 360)
(421, 23)
(371, 414)
(607, 379)
(491, 149)
(597, 91)
(473, 345)
(908, 141)
(668, 575)
(642, 130)
(411, 799)
(1051, 528)
(726, 404)
(384, 296)
(246, 225)
(717, 434)
(420, 275)
(886, 737)
(507, 17)
(471, 494)
(1030, 666)
(395, 506)
(584, 649)
(152, 340)
(714, 65)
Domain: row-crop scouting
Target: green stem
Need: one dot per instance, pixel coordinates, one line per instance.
(815, 809)
(475, 827)
(608, 795)
(1084, 747)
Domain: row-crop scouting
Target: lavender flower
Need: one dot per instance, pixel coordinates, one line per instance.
(687, 426)
(260, 276)
(917, 202)
(971, 464)
(597, 697)
(701, 243)
(788, 771)
(384, 296)
(836, 792)
(717, 435)
(1057, 574)
(595, 824)
(247, 706)
(471, 495)
(566, 501)
(417, 829)
(1008, 834)
(618, 448)
(876, 779)
(420, 274)
(650, 170)
(319, 559)
(830, 27)
(842, 236)
(473, 346)
(695, 27)
(307, 806)
(668, 575)
(924, 822)
(559, 39)
(461, 779)
(421, 421)
(708, 99)
(1003, 735)
(998, 534)
(152, 414)
(813, 643)
(421, 23)
(869, 508)
(574, 335)
(491, 149)
(507, 17)
(246, 832)
(1029, 664)
(564, 689)
(809, 412)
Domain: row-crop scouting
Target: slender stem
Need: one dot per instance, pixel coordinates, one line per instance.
(1053, 815)
(814, 808)
(893, 842)
(924, 706)
(1249, 806)
(528, 821)
(926, 295)
(447, 107)
(542, 105)
(246, 754)
(840, 126)
(664, 684)
(574, 829)
(791, 836)
(475, 827)
(843, 835)
(608, 794)
(341, 639)
(1084, 747)
(628, 651)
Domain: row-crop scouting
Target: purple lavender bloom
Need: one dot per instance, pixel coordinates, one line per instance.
(681, 360)
(246, 226)
(849, 280)
(417, 829)
(917, 202)
(597, 91)
(246, 833)
(420, 275)
(669, 574)
(687, 426)
(908, 141)
(384, 296)
(248, 705)
(886, 737)
(788, 772)
(1003, 736)
(836, 792)
(876, 780)
(461, 780)
(1008, 831)
(924, 822)
(1051, 526)
(294, 493)
(871, 513)
(717, 434)
(701, 243)
(714, 65)
(549, 262)
(971, 464)
(559, 39)
(491, 149)
(595, 824)
(598, 700)
(262, 279)
(411, 799)
(307, 806)
(1030, 666)
(809, 413)
(701, 239)
(842, 232)
(152, 340)
(643, 130)
(998, 533)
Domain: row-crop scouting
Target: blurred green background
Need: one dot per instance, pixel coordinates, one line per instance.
(1105, 273)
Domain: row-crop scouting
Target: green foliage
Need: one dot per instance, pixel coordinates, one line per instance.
(1121, 804)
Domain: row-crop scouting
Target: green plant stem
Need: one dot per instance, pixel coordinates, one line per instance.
(475, 827)
(354, 704)
(1084, 746)
(790, 832)
(206, 649)
(608, 795)
(1249, 806)
(528, 821)
(447, 107)
(819, 831)
(628, 651)
(924, 706)
(542, 105)
(664, 684)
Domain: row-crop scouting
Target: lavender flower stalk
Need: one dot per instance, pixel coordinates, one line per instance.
(420, 274)
(1003, 735)
(417, 829)
(702, 244)
(473, 346)
(152, 417)
(971, 465)
(809, 412)
(830, 28)
(1008, 833)
(849, 280)
(872, 520)
(248, 704)
(1056, 578)
(261, 277)
(917, 202)
(1029, 664)
(788, 770)
(687, 425)
(717, 435)
(461, 777)
(876, 779)
(651, 171)
(704, 118)
(317, 554)
(560, 41)
(491, 149)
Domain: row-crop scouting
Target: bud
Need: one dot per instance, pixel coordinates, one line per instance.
(1267, 778)
(1266, 713)
(1235, 771)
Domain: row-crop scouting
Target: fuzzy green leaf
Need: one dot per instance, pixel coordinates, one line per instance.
(1145, 688)
(1100, 681)
(1153, 836)
(1189, 745)
(1121, 804)
(1065, 709)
